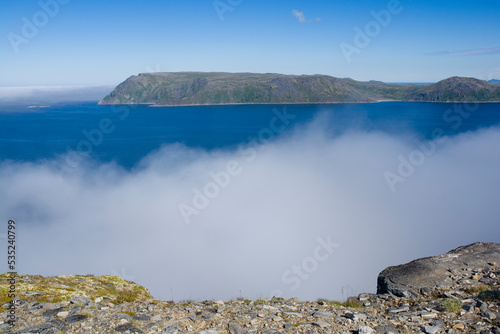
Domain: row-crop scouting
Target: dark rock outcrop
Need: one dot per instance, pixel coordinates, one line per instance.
(450, 270)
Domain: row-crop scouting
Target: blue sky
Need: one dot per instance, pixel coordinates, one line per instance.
(104, 42)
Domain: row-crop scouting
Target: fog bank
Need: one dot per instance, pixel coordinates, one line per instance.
(307, 215)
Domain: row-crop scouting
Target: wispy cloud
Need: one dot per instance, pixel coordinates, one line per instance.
(301, 17)
(472, 52)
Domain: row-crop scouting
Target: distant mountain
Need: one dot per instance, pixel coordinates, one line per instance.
(456, 89)
(198, 88)
(494, 81)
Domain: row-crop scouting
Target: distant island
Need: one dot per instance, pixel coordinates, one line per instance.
(215, 88)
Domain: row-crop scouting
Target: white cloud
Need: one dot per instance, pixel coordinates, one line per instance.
(51, 94)
(471, 52)
(268, 218)
(301, 17)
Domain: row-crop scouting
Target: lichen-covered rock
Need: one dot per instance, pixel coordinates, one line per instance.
(437, 272)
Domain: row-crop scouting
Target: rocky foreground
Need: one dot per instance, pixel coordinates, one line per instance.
(457, 292)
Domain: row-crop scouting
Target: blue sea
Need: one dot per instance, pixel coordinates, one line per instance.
(34, 133)
(253, 201)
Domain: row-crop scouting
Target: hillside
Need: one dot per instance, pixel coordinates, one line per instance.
(198, 88)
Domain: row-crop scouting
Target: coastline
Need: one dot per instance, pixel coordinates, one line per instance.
(279, 104)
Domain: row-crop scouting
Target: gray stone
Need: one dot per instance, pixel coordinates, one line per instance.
(75, 318)
(50, 313)
(119, 316)
(128, 327)
(323, 314)
(235, 328)
(468, 307)
(366, 330)
(208, 331)
(482, 305)
(171, 330)
(398, 310)
(321, 324)
(156, 318)
(387, 329)
(407, 280)
(431, 329)
(45, 328)
(429, 315)
(52, 306)
(355, 316)
(80, 301)
(141, 317)
(488, 315)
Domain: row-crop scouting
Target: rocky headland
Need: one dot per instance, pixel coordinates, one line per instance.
(215, 88)
(457, 292)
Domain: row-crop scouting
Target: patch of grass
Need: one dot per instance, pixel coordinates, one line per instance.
(186, 302)
(477, 289)
(352, 302)
(261, 301)
(51, 298)
(62, 288)
(276, 300)
(451, 305)
(169, 304)
(130, 312)
(4, 298)
(329, 302)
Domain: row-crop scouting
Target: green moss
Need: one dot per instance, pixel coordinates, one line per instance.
(478, 289)
(451, 305)
(62, 288)
(352, 303)
(329, 302)
(130, 312)
(261, 301)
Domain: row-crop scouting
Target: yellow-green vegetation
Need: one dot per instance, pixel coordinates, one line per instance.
(62, 288)
(130, 312)
(329, 302)
(451, 305)
(478, 289)
(350, 302)
(261, 301)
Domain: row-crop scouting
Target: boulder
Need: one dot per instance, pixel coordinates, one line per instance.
(413, 278)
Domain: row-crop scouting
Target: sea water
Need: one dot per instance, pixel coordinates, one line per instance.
(132, 132)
